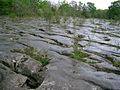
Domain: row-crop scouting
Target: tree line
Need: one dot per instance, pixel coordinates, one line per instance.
(47, 10)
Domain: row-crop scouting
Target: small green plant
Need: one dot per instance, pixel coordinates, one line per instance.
(76, 40)
(33, 53)
(79, 55)
(94, 30)
(116, 63)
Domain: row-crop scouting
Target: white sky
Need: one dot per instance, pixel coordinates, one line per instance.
(100, 4)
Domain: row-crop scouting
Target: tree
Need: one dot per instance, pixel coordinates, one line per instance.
(24, 7)
(91, 9)
(80, 6)
(114, 10)
(65, 9)
(74, 8)
(5, 6)
(101, 14)
(85, 11)
(45, 9)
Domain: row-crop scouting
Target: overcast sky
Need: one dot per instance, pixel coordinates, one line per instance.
(100, 4)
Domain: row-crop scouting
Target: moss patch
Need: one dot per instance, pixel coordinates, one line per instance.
(33, 53)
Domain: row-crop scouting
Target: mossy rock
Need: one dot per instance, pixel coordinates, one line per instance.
(33, 53)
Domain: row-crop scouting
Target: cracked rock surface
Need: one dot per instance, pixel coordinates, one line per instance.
(21, 72)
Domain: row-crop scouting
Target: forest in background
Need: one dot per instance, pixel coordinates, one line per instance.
(49, 11)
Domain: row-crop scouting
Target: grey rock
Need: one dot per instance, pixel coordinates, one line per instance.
(31, 68)
(62, 73)
(26, 65)
(108, 81)
(9, 80)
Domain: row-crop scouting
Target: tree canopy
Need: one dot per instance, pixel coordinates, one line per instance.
(114, 10)
(48, 10)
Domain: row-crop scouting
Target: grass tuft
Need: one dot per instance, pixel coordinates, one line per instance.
(79, 55)
(33, 53)
(116, 63)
